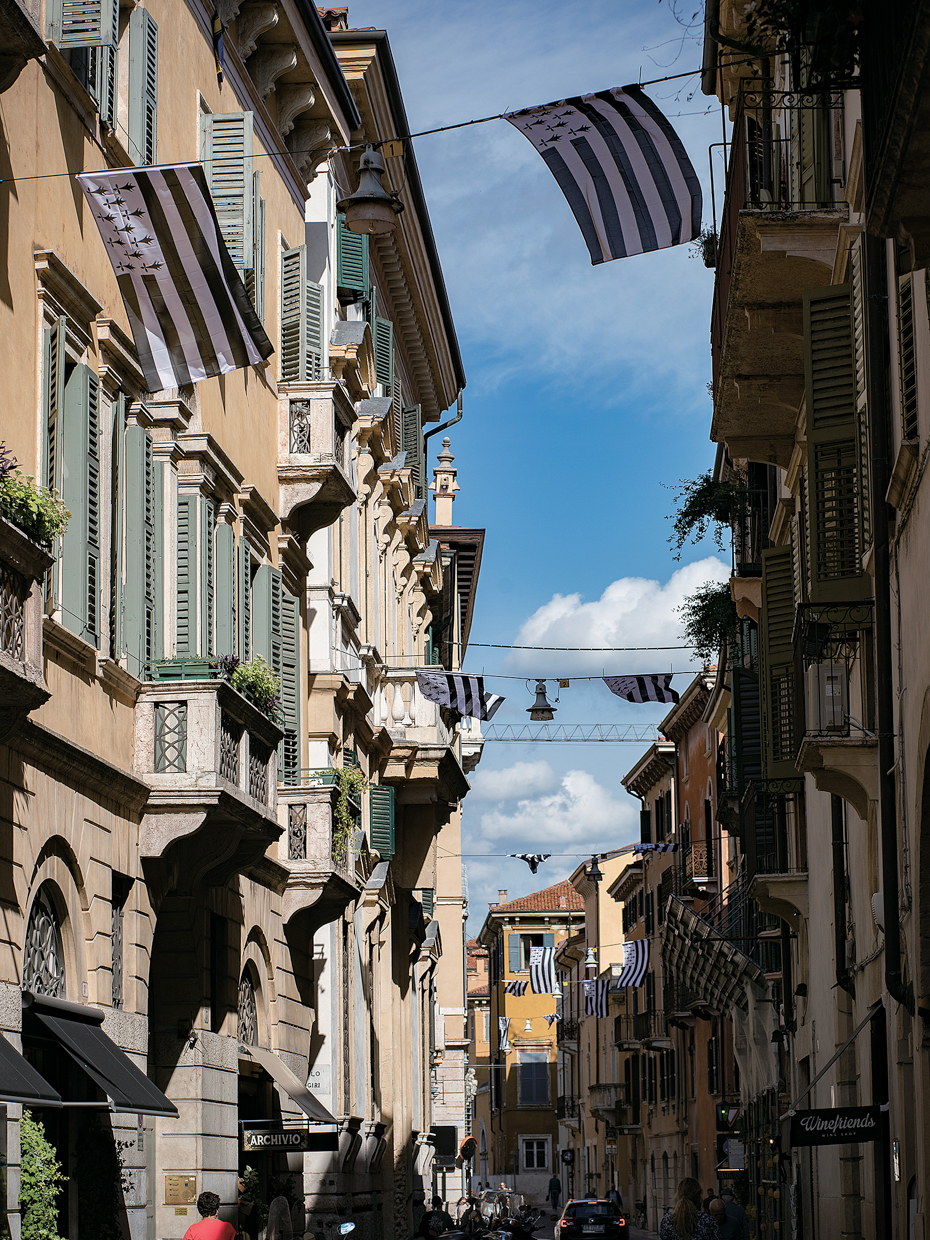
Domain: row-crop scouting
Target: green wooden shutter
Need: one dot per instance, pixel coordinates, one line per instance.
(207, 579)
(187, 577)
(833, 449)
(428, 901)
(514, 962)
(266, 616)
(151, 516)
(244, 600)
(384, 354)
(289, 750)
(255, 276)
(143, 86)
(907, 357)
(351, 259)
(548, 940)
(780, 730)
(54, 396)
(411, 442)
(117, 523)
(225, 589)
(158, 558)
(301, 320)
(104, 73)
(226, 149)
(80, 23)
(80, 466)
(381, 820)
(140, 594)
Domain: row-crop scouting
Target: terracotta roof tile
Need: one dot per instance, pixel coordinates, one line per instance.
(559, 898)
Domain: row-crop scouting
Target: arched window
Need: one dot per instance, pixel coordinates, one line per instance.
(44, 956)
(247, 1025)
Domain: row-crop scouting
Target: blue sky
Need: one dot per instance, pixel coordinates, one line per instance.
(586, 399)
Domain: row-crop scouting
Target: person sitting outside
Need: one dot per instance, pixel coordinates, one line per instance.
(687, 1221)
(210, 1227)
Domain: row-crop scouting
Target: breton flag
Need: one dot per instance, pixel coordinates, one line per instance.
(543, 980)
(515, 988)
(595, 996)
(464, 694)
(531, 859)
(622, 168)
(190, 315)
(643, 688)
(503, 1025)
(635, 962)
(667, 847)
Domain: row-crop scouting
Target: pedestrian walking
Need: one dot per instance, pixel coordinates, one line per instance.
(687, 1221)
(210, 1227)
(555, 1191)
(731, 1217)
(614, 1196)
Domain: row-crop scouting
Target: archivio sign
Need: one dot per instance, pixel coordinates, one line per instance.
(288, 1139)
(836, 1126)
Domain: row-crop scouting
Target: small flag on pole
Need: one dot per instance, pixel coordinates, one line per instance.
(643, 688)
(463, 694)
(190, 315)
(542, 970)
(219, 51)
(622, 168)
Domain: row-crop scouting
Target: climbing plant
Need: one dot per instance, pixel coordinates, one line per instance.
(41, 1178)
(351, 780)
(703, 505)
(709, 619)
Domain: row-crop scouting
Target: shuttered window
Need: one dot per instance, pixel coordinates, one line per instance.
(381, 820)
(862, 401)
(907, 356)
(244, 600)
(79, 447)
(779, 692)
(351, 259)
(266, 616)
(143, 86)
(54, 396)
(207, 576)
(255, 277)
(514, 963)
(187, 577)
(384, 354)
(226, 149)
(833, 449)
(140, 617)
(427, 900)
(534, 1078)
(301, 320)
(289, 750)
(225, 590)
(81, 23)
(411, 442)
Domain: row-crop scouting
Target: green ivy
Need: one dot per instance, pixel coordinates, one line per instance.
(351, 780)
(37, 511)
(702, 503)
(41, 1177)
(709, 619)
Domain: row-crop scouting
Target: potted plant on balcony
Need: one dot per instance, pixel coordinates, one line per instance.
(255, 680)
(703, 505)
(351, 782)
(709, 619)
(36, 511)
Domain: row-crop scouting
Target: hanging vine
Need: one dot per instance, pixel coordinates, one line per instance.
(351, 781)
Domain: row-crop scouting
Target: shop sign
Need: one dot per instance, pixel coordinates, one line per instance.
(836, 1126)
(288, 1139)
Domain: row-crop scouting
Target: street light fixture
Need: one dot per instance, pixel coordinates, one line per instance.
(542, 710)
(593, 872)
(371, 209)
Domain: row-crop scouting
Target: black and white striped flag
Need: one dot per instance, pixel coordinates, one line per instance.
(503, 1025)
(190, 315)
(622, 168)
(516, 988)
(531, 859)
(635, 963)
(595, 996)
(464, 694)
(543, 980)
(667, 847)
(643, 688)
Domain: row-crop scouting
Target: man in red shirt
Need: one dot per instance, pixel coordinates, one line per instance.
(210, 1227)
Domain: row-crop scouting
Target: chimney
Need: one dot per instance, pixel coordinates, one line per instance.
(501, 896)
(444, 485)
(335, 19)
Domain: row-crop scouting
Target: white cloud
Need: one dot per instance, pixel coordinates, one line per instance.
(632, 611)
(523, 779)
(581, 814)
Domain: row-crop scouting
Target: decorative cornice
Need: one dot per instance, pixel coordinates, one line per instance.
(82, 770)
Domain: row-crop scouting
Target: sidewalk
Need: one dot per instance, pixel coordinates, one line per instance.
(637, 1233)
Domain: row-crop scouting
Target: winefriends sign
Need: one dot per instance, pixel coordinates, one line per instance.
(836, 1126)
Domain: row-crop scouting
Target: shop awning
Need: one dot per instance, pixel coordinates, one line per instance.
(281, 1074)
(77, 1029)
(19, 1081)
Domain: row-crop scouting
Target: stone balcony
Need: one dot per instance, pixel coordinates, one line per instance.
(424, 747)
(209, 757)
(699, 868)
(603, 1098)
(23, 565)
(321, 876)
(314, 420)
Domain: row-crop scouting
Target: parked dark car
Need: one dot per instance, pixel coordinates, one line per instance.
(589, 1217)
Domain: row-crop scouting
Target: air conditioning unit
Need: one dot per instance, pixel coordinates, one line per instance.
(828, 698)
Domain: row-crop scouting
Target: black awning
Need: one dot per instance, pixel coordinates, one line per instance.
(19, 1081)
(77, 1029)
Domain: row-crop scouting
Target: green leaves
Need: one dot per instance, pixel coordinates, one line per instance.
(351, 781)
(702, 503)
(37, 511)
(40, 1179)
(259, 682)
(709, 619)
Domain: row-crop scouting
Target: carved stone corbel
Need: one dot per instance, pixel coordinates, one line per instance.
(228, 10)
(292, 100)
(255, 18)
(310, 144)
(268, 62)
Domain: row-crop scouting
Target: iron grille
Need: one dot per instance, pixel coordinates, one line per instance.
(297, 832)
(258, 771)
(300, 426)
(230, 736)
(13, 594)
(170, 736)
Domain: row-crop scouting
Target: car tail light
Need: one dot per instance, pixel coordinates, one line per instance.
(563, 1222)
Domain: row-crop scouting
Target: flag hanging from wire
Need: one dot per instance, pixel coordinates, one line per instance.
(531, 859)
(516, 988)
(595, 996)
(551, 1018)
(543, 980)
(219, 51)
(667, 847)
(635, 963)
(643, 688)
(463, 694)
(622, 168)
(503, 1024)
(190, 315)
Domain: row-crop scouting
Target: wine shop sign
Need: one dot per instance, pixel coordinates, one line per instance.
(836, 1126)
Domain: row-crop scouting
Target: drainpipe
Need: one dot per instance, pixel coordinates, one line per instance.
(843, 980)
(879, 447)
(451, 422)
